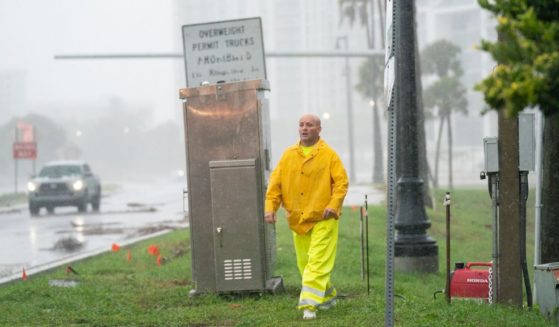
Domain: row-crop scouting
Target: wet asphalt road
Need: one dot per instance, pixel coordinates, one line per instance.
(134, 211)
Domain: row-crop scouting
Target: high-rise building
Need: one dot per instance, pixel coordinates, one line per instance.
(303, 84)
(464, 23)
(318, 85)
(12, 94)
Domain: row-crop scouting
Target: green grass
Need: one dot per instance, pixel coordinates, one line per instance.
(115, 292)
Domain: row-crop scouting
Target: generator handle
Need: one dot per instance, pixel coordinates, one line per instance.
(485, 264)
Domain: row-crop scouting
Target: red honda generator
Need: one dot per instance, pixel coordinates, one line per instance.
(466, 282)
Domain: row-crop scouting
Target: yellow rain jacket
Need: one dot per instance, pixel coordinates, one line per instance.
(305, 186)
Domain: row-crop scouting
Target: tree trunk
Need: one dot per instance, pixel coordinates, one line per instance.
(438, 153)
(381, 12)
(550, 191)
(449, 139)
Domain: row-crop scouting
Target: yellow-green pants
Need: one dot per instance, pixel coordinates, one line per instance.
(316, 253)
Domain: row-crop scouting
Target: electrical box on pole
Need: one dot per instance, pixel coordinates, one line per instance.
(526, 146)
(526, 142)
(509, 252)
(491, 151)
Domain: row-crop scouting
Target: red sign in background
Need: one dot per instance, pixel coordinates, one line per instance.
(25, 150)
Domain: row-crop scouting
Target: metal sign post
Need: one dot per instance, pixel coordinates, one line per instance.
(446, 203)
(24, 147)
(227, 51)
(389, 77)
(15, 161)
(367, 243)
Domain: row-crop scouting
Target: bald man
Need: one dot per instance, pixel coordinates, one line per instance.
(310, 182)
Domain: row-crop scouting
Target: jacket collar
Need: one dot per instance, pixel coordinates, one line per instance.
(316, 147)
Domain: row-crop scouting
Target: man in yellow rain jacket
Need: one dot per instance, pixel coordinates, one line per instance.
(311, 183)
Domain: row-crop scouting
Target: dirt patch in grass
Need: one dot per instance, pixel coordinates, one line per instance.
(179, 250)
(176, 282)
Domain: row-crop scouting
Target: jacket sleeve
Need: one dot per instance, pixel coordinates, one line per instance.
(273, 194)
(339, 184)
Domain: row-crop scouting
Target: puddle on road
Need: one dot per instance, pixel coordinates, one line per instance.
(140, 207)
(80, 223)
(101, 231)
(8, 211)
(92, 229)
(69, 244)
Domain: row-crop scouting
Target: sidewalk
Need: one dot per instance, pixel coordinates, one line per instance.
(356, 195)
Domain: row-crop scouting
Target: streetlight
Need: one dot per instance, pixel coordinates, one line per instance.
(349, 107)
(414, 249)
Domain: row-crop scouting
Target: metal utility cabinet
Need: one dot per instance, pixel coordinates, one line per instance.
(546, 278)
(227, 149)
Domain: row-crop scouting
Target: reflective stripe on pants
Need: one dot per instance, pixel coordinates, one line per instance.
(316, 253)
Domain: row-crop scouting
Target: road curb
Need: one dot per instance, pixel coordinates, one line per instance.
(76, 258)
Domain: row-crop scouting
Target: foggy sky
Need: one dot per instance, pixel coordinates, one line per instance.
(33, 31)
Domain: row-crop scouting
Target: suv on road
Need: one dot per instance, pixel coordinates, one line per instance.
(62, 184)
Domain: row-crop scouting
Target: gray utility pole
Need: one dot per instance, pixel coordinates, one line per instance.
(414, 250)
(348, 90)
(269, 54)
(378, 169)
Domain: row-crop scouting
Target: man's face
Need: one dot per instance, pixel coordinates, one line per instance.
(309, 130)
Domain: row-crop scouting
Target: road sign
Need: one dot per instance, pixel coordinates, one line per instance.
(389, 58)
(25, 132)
(224, 51)
(25, 150)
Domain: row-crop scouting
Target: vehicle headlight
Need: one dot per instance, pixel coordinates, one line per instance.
(78, 185)
(31, 187)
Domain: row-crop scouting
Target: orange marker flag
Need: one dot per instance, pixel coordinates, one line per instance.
(115, 247)
(153, 250)
(363, 211)
(129, 256)
(24, 275)
(159, 260)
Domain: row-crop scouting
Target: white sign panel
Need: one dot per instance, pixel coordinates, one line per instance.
(389, 58)
(224, 51)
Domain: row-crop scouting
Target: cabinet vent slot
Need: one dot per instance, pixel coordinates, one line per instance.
(237, 269)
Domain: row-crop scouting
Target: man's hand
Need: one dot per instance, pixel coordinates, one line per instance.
(329, 213)
(270, 217)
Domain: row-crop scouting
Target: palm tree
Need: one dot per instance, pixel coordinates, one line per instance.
(445, 95)
(371, 80)
(373, 77)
